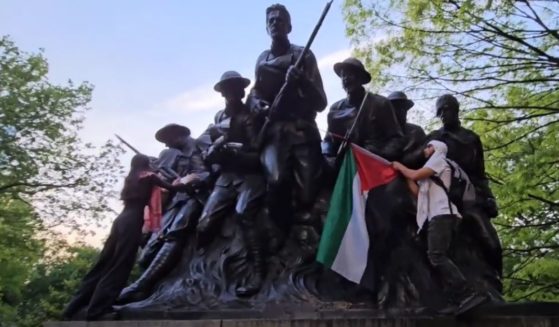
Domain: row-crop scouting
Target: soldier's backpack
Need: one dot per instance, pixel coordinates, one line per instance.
(461, 192)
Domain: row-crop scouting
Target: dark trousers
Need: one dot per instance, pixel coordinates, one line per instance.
(102, 284)
(177, 222)
(439, 238)
(292, 172)
(243, 193)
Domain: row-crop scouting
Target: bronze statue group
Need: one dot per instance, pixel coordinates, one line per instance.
(263, 165)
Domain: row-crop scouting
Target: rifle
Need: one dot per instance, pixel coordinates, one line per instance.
(127, 144)
(353, 125)
(220, 144)
(284, 87)
(167, 172)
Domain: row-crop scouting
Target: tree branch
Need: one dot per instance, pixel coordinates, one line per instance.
(46, 186)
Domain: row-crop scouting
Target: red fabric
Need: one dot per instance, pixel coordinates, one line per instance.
(152, 222)
(152, 212)
(373, 170)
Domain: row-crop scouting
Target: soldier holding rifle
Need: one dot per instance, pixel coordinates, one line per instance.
(241, 186)
(289, 92)
(160, 255)
(365, 118)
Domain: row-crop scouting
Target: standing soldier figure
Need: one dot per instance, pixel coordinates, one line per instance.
(414, 135)
(241, 185)
(465, 148)
(291, 153)
(368, 120)
(376, 129)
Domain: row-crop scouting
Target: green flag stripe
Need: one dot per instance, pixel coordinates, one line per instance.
(339, 213)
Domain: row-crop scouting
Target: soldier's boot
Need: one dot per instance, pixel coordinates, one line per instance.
(256, 256)
(163, 262)
(208, 226)
(275, 238)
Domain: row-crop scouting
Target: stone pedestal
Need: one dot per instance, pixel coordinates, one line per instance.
(334, 322)
(502, 315)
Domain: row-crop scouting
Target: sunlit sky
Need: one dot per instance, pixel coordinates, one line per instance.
(155, 62)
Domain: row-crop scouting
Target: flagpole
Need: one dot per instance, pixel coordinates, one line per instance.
(350, 131)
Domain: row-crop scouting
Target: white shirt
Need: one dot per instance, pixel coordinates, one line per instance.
(432, 200)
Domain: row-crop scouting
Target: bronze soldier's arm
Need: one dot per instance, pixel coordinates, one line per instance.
(248, 156)
(480, 180)
(330, 144)
(328, 148)
(312, 85)
(479, 167)
(254, 100)
(158, 181)
(197, 166)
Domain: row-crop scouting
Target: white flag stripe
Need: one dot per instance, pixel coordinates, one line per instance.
(351, 259)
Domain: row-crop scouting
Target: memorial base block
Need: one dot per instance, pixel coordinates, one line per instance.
(505, 315)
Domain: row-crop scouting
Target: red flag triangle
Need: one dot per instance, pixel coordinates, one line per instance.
(373, 170)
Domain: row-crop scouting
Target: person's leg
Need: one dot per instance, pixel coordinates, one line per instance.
(308, 167)
(251, 194)
(114, 279)
(220, 203)
(167, 256)
(439, 238)
(277, 170)
(440, 233)
(155, 241)
(91, 279)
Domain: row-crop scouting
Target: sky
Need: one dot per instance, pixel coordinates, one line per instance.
(155, 62)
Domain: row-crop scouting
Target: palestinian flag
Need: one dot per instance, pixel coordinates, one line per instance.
(344, 244)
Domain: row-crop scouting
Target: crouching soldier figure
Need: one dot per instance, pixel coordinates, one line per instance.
(241, 184)
(164, 249)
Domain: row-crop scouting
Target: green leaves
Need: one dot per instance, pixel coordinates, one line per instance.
(502, 60)
(43, 160)
(52, 284)
(50, 181)
(19, 251)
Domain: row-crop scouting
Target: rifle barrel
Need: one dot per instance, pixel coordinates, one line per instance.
(306, 49)
(279, 95)
(127, 144)
(313, 34)
(350, 130)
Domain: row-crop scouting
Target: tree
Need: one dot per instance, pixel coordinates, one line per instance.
(42, 159)
(19, 251)
(52, 284)
(48, 177)
(502, 60)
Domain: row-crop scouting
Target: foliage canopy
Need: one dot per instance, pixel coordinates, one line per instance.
(501, 58)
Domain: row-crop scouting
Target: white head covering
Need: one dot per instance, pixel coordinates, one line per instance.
(437, 162)
(440, 152)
